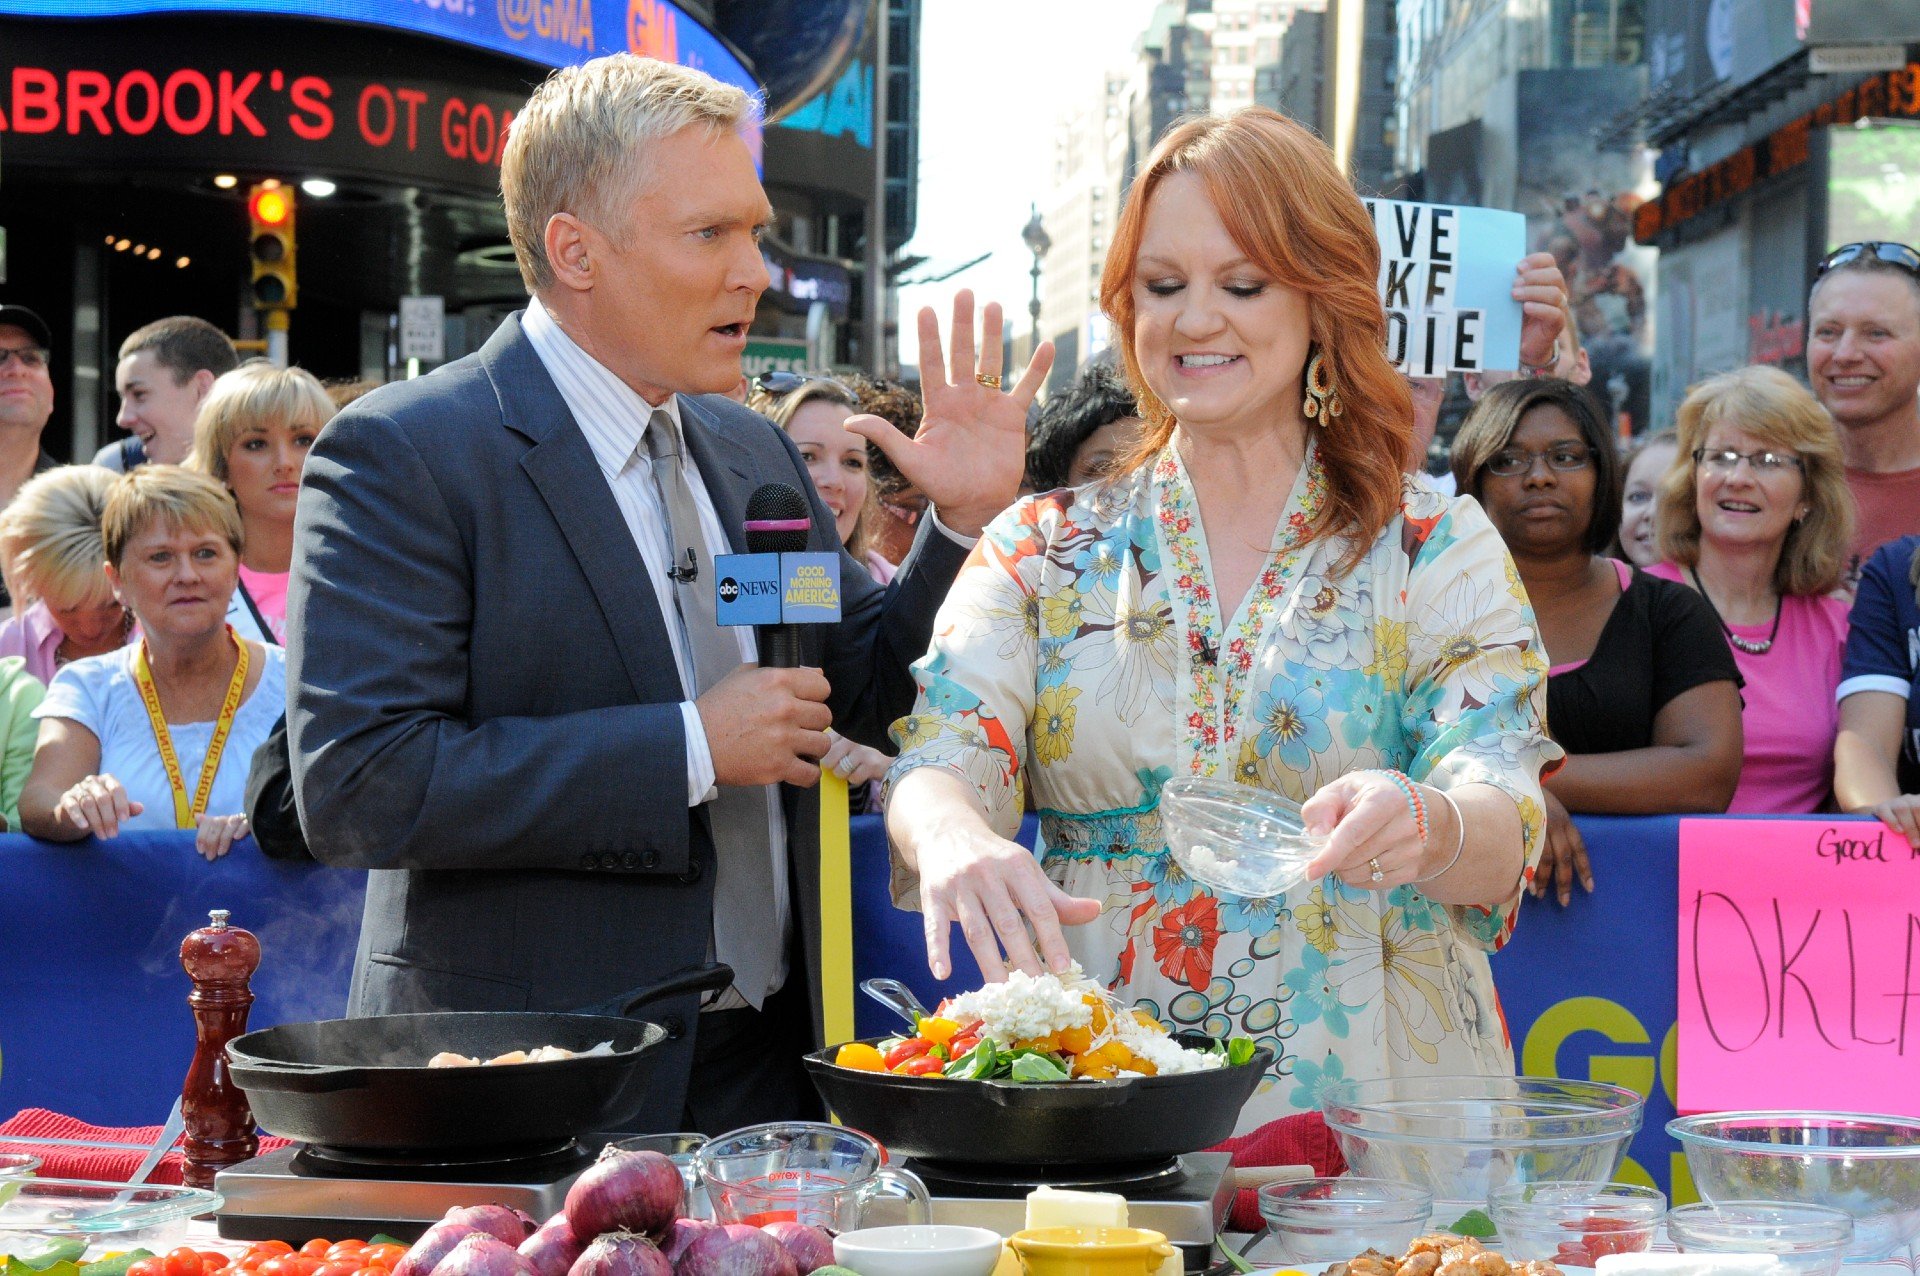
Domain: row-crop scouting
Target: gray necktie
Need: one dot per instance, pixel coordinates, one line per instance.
(743, 893)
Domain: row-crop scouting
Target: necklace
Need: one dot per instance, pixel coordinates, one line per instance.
(1753, 647)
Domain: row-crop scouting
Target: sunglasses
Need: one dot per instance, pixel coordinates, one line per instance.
(1902, 255)
(30, 357)
(780, 382)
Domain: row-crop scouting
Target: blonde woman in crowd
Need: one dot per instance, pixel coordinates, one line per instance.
(158, 735)
(1756, 516)
(252, 437)
(56, 568)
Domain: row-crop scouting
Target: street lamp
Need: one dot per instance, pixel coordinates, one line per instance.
(1035, 236)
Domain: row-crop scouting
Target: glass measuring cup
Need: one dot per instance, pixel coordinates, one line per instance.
(807, 1171)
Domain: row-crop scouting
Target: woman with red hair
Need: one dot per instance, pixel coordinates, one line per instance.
(1261, 594)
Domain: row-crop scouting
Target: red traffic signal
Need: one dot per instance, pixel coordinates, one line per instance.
(270, 208)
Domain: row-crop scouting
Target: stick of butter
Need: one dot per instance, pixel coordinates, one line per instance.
(1690, 1265)
(1053, 1207)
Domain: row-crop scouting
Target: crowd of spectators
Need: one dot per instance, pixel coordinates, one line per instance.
(1732, 605)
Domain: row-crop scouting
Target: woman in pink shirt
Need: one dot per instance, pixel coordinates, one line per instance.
(252, 436)
(1756, 516)
(56, 567)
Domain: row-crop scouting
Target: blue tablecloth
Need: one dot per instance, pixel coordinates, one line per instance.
(94, 1023)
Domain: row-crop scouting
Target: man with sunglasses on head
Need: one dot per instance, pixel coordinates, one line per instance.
(1863, 358)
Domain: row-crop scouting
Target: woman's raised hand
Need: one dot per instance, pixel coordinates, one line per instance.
(97, 805)
(1541, 290)
(971, 448)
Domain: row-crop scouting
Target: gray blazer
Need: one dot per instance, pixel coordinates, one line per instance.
(483, 707)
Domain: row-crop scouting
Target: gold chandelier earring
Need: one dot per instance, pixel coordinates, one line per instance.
(1322, 399)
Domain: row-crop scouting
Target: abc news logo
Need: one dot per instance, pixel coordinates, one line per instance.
(731, 589)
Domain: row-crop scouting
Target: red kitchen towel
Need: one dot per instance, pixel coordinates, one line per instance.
(100, 1164)
(1303, 1139)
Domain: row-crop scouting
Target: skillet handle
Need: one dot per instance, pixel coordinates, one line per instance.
(716, 977)
(298, 1078)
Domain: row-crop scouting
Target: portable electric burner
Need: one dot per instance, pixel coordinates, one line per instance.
(1186, 1198)
(296, 1194)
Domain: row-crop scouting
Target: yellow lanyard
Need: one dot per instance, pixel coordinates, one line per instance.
(187, 815)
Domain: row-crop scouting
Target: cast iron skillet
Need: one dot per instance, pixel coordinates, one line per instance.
(1080, 1123)
(362, 1085)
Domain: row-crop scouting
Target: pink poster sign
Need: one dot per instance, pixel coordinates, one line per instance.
(1799, 966)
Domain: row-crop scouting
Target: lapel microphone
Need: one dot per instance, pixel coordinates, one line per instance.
(686, 572)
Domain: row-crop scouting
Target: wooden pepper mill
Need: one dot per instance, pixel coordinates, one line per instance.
(219, 959)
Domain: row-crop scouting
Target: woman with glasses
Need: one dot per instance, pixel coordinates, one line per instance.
(1757, 519)
(1642, 694)
(813, 410)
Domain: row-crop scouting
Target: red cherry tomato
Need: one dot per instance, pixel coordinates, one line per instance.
(316, 1248)
(214, 1264)
(384, 1255)
(183, 1262)
(147, 1267)
(371, 1271)
(340, 1249)
(338, 1267)
(920, 1066)
(279, 1265)
(270, 1248)
(906, 1050)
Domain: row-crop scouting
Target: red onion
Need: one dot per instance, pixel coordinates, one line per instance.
(505, 1224)
(482, 1255)
(622, 1254)
(810, 1247)
(736, 1250)
(626, 1192)
(434, 1244)
(554, 1248)
(683, 1233)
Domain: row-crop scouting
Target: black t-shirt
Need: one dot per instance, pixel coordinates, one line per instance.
(1661, 640)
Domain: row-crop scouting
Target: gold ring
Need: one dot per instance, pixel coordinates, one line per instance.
(1376, 875)
(992, 383)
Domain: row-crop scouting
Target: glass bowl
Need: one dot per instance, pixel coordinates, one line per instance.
(1234, 838)
(1811, 1240)
(1573, 1224)
(1867, 1165)
(1465, 1137)
(1324, 1221)
(81, 1208)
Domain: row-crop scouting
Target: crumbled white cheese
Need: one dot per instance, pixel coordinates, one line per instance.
(1025, 1006)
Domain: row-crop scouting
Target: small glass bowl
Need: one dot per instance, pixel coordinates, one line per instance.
(1234, 838)
(1573, 1224)
(1332, 1220)
(1811, 1240)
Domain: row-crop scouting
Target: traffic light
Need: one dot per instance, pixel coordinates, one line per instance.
(270, 207)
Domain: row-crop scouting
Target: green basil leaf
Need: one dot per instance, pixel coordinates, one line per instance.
(1240, 1051)
(1474, 1223)
(1034, 1066)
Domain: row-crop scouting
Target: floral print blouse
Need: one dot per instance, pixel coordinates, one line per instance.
(1083, 655)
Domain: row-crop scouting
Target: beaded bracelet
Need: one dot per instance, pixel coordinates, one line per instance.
(1459, 842)
(1416, 807)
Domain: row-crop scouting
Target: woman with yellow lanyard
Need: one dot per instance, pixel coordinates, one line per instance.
(159, 734)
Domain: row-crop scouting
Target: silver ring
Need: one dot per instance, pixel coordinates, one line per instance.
(1376, 875)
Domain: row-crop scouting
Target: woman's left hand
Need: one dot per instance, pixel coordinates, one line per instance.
(1373, 843)
(217, 834)
(855, 763)
(1541, 290)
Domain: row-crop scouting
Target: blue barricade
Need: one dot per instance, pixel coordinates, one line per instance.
(93, 1020)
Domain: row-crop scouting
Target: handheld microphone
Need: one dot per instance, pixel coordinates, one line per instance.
(778, 522)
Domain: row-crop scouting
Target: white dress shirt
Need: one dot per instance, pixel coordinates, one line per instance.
(614, 419)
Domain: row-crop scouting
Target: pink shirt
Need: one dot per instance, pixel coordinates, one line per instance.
(269, 593)
(33, 635)
(1790, 716)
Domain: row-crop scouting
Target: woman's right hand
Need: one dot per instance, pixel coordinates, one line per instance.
(1902, 815)
(1564, 857)
(96, 805)
(995, 889)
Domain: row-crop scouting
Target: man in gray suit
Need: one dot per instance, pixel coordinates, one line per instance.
(508, 697)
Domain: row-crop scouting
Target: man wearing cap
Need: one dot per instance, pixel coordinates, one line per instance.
(26, 401)
(166, 369)
(1863, 358)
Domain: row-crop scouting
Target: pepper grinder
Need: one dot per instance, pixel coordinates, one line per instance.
(219, 958)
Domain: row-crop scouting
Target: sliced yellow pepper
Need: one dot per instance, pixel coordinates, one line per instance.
(937, 1030)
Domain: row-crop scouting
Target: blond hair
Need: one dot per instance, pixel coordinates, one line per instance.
(1772, 407)
(50, 538)
(582, 143)
(253, 396)
(170, 494)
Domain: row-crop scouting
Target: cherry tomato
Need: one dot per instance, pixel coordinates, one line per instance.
(961, 1044)
(309, 1265)
(919, 1066)
(906, 1050)
(147, 1267)
(183, 1262)
(269, 1249)
(384, 1255)
(340, 1249)
(316, 1248)
(371, 1271)
(280, 1265)
(338, 1267)
(214, 1264)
